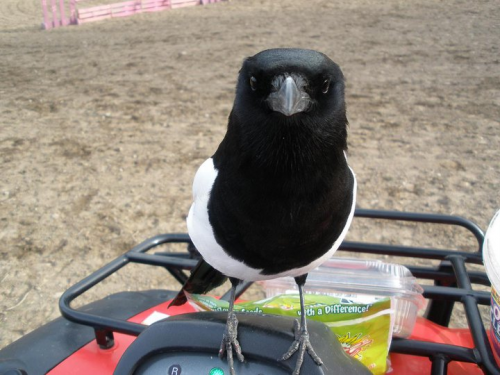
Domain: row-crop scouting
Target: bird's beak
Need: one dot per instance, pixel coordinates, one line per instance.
(288, 98)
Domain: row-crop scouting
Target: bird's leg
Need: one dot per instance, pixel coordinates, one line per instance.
(230, 338)
(301, 343)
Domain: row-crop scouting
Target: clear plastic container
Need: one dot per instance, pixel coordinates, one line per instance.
(348, 277)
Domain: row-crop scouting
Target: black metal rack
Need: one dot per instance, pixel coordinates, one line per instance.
(452, 283)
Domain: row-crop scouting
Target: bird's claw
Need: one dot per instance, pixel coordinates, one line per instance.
(230, 341)
(301, 344)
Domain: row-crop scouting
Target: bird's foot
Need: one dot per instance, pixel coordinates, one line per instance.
(230, 341)
(301, 345)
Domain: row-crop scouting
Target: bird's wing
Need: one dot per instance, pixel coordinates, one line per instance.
(204, 180)
(203, 279)
(198, 222)
(201, 231)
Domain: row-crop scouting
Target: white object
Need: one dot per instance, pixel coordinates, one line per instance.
(491, 259)
(358, 278)
(154, 317)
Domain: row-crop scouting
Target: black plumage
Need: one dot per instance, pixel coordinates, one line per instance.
(278, 195)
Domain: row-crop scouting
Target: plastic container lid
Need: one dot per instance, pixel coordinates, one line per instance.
(362, 277)
(491, 251)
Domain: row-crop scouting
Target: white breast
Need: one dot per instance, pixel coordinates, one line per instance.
(202, 234)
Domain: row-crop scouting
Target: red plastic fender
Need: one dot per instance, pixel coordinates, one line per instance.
(91, 359)
(427, 331)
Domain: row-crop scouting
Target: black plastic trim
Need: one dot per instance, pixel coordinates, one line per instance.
(264, 337)
(41, 350)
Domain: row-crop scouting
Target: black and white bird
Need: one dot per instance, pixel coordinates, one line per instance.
(277, 197)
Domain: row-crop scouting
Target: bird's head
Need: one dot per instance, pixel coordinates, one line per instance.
(291, 86)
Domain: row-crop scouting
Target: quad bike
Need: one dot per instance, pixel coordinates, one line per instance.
(107, 336)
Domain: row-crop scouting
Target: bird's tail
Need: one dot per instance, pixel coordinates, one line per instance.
(203, 278)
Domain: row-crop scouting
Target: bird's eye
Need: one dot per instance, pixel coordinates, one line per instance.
(253, 83)
(326, 86)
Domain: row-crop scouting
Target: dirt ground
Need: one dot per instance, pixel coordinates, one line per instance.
(102, 126)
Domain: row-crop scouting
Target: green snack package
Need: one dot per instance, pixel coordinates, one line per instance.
(362, 324)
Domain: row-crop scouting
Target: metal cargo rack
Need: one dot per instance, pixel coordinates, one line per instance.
(453, 283)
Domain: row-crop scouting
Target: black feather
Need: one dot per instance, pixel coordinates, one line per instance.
(203, 278)
(283, 192)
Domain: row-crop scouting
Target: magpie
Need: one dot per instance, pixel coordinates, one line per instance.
(277, 197)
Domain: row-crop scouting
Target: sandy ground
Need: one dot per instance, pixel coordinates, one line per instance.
(102, 126)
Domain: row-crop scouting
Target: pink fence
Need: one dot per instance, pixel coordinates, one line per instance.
(54, 14)
(57, 13)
